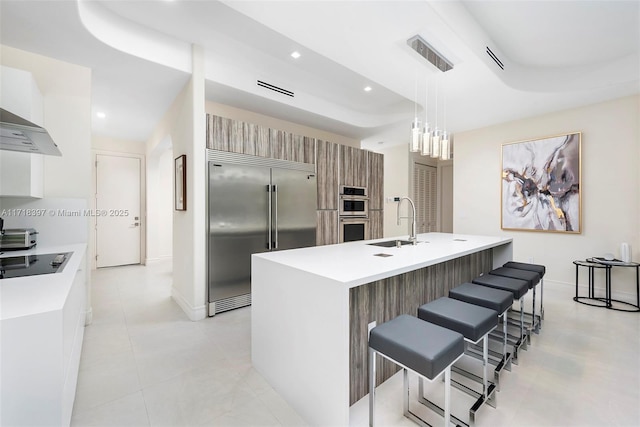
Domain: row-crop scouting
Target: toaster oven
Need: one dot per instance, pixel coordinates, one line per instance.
(18, 239)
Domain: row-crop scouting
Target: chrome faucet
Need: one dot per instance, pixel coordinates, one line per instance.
(412, 238)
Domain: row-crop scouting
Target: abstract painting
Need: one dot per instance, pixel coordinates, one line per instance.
(541, 184)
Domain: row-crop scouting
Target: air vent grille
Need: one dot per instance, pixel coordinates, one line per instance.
(495, 58)
(418, 44)
(231, 303)
(275, 88)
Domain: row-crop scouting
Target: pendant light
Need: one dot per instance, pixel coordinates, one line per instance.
(435, 139)
(416, 132)
(444, 144)
(434, 142)
(426, 134)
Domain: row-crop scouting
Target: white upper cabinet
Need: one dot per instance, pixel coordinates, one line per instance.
(21, 174)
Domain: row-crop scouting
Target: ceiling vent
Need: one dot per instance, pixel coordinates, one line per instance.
(418, 44)
(275, 88)
(495, 58)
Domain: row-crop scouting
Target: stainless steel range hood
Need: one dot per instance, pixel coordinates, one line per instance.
(18, 134)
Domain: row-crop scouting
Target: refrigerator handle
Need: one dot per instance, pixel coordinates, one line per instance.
(275, 195)
(269, 215)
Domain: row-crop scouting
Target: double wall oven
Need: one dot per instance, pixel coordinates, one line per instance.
(354, 214)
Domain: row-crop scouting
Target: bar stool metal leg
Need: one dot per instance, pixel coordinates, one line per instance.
(372, 386)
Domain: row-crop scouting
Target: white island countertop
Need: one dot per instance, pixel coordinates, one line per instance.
(355, 263)
(30, 295)
(301, 311)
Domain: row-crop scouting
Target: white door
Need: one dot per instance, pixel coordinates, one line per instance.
(117, 210)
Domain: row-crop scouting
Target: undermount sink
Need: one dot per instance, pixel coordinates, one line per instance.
(391, 243)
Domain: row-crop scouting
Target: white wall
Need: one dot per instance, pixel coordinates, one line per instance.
(160, 204)
(185, 126)
(273, 123)
(396, 183)
(610, 182)
(106, 143)
(66, 94)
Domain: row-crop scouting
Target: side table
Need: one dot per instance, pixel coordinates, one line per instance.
(592, 299)
(609, 264)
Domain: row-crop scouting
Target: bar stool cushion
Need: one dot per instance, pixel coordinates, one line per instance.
(470, 320)
(530, 276)
(538, 268)
(420, 346)
(494, 299)
(516, 286)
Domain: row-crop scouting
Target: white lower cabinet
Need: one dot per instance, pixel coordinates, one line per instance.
(40, 358)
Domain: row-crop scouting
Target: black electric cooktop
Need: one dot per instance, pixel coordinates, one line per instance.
(33, 265)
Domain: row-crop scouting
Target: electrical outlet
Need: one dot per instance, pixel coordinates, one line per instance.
(396, 199)
(530, 261)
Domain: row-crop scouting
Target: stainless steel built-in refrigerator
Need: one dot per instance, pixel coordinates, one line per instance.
(255, 205)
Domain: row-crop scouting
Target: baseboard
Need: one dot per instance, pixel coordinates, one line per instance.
(194, 313)
(158, 259)
(583, 290)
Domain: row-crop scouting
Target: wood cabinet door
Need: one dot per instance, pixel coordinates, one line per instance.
(327, 228)
(327, 171)
(353, 166)
(375, 180)
(219, 133)
(225, 134)
(376, 224)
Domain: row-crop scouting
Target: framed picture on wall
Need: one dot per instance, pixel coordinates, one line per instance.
(180, 189)
(541, 184)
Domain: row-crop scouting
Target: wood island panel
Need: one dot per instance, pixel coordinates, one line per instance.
(386, 299)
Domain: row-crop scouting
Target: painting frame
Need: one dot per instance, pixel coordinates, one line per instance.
(541, 184)
(180, 183)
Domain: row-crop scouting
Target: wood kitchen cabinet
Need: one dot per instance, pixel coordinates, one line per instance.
(327, 228)
(247, 138)
(218, 133)
(375, 180)
(327, 162)
(376, 224)
(353, 166)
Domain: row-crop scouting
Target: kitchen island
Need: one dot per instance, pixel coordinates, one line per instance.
(42, 320)
(311, 309)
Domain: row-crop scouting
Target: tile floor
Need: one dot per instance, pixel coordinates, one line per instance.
(144, 363)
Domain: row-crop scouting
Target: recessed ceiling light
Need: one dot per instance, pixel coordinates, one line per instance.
(100, 115)
(295, 54)
(368, 89)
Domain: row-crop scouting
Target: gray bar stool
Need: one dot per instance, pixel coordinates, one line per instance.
(494, 299)
(519, 289)
(533, 279)
(541, 270)
(418, 346)
(474, 323)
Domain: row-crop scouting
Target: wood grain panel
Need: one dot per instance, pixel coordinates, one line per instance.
(386, 299)
(309, 150)
(209, 138)
(376, 224)
(250, 131)
(353, 166)
(263, 143)
(327, 227)
(236, 136)
(375, 180)
(221, 133)
(327, 170)
(297, 148)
